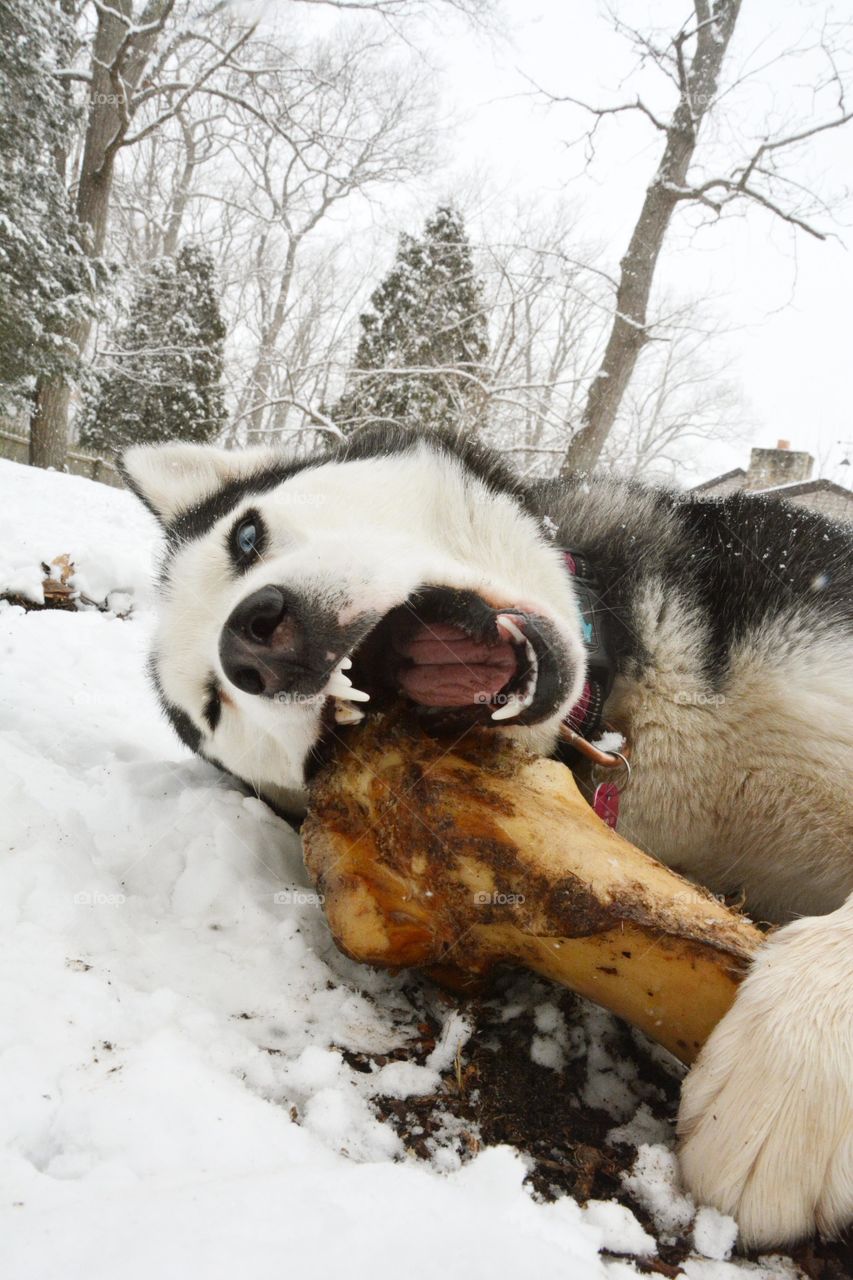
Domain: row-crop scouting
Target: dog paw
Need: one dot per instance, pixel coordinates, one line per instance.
(766, 1119)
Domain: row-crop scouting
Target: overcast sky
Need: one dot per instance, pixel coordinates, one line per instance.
(783, 298)
(779, 298)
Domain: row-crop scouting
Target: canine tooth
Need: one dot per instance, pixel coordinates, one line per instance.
(533, 678)
(511, 707)
(516, 704)
(503, 620)
(346, 713)
(344, 664)
(340, 687)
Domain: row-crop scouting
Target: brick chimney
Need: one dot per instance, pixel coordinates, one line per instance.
(782, 465)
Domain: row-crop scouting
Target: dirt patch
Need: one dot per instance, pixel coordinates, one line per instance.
(496, 1093)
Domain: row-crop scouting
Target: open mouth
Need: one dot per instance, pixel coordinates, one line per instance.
(456, 660)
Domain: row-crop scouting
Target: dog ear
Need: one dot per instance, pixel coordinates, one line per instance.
(170, 478)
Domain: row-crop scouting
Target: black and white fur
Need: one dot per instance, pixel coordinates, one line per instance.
(732, 625)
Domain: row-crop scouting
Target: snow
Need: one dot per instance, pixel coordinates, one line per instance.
(109, 537)
(654, 1181)
(714, 1233)
(454, 1034)
(621, 1232)
(176, 1021)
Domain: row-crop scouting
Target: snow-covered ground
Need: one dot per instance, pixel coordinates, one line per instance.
(175, 1097)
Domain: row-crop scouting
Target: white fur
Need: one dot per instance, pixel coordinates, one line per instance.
(767, 1111)
(766, 1118)
(172, 477)
(745, 790)
(358, 537)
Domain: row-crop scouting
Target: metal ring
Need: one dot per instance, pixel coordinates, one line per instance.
(618, 756)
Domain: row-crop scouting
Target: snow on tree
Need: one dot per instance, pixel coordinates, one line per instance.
(164, 381)
(45, 278)
(421, 358)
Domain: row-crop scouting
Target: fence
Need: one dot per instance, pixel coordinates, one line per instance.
(16, 448)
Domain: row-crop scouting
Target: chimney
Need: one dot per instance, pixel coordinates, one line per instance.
(782, 465)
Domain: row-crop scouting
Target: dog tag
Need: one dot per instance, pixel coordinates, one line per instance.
(605, 802)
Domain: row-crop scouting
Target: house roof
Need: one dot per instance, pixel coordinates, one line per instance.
(796, 487)
(727, 475)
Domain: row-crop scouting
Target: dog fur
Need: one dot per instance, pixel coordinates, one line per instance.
(730, 621)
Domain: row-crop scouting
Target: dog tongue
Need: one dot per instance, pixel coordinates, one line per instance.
(449, 669)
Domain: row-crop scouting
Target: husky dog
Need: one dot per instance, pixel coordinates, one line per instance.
(297, 595)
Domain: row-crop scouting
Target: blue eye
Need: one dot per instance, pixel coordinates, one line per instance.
(247, 541)
(247, 537)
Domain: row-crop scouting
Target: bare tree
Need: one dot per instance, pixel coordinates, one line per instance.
(679, 398)
(126, 57)
(307, 138)
(142, 68)
(547, 303)
(692, 60)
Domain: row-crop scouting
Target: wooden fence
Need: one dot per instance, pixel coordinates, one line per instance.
(16, 448)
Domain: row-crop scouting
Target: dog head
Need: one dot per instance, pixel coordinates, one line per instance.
(296, 596)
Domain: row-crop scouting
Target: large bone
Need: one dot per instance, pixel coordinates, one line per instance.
(455, 860)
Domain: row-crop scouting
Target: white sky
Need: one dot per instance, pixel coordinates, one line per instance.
(783, 297)
(780, 299)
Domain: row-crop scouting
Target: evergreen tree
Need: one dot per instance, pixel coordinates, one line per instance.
(426, 316)
(164, 382)
(45, 278)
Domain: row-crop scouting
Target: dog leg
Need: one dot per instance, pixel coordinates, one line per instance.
(766, 1120)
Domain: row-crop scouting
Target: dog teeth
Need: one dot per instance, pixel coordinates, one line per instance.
(344, 664)
(510, 625)
(514, 705)
(346, 713)
(340, 686)
(510, 708)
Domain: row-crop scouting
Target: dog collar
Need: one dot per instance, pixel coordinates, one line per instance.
(585, 718)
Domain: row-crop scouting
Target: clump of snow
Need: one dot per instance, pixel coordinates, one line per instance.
(768, 1268)
(714, 1233)
(620, 1230)
(455, 1033)
(612, 1083)
(551, 1046)
(404, 1080)
(611, 741)
(643, 1127)
(654, 1181)
(546, 1052)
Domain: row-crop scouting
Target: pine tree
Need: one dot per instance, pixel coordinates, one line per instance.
(164, 382)
(426, 316)
(45, 278)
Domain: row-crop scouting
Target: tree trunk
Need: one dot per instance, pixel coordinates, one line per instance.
(116, 68)
(258, 386)
(628, 333)
(181, 196)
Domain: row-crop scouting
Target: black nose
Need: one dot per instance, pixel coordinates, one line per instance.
(263, 646)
